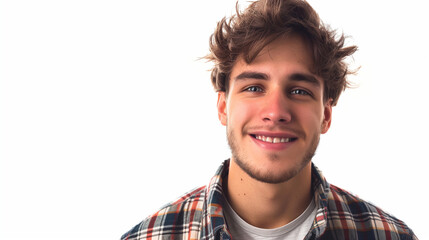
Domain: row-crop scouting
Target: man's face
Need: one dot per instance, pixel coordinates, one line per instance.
(274, 111)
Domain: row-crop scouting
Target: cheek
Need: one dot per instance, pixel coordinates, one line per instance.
(240, 113)
(310, 118)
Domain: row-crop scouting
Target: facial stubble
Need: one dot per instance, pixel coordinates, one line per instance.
(244, 162)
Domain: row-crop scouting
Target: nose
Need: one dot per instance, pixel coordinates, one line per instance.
(276, 108)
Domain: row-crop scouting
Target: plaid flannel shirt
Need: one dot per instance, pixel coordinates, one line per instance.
(340, 215)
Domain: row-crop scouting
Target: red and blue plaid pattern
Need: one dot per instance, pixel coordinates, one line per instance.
(340, 215)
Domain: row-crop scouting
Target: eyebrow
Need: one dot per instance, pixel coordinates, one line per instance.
(296, 77)
(252, 75)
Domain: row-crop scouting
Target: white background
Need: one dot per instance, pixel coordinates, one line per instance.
(106, 113)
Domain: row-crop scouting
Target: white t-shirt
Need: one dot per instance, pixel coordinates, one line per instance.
(297, 229)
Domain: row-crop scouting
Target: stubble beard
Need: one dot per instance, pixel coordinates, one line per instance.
(243, 161)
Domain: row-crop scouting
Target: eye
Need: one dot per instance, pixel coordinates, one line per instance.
(253, 89)
(299, 92)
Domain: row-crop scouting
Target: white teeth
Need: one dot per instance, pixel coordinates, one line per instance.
(272, 139)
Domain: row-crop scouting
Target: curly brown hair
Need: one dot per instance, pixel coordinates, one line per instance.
(248, 32)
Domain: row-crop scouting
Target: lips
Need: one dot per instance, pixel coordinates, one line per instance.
(273, 140)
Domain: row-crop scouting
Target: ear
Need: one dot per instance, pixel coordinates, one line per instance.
(327, 116)
(221, 107)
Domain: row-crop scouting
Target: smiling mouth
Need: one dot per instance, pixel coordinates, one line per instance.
(273, 139)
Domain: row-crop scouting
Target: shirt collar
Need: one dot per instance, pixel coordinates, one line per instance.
(321, 190)
(215, 200)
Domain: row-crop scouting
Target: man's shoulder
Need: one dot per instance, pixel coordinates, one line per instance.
(180, 217)
(349, 214)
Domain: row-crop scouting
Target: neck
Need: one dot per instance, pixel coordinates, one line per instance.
(266, 205)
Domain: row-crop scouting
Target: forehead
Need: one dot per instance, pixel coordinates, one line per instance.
(291, 48)
(283, 57)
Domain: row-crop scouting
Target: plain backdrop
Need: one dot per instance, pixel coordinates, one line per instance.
(107, 113)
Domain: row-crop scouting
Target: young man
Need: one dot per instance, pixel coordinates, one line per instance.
(278, 72)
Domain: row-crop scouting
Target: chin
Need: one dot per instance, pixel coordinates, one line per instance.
(270, 171)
